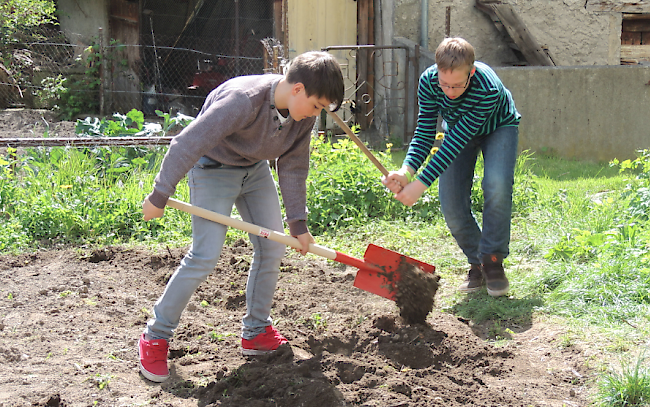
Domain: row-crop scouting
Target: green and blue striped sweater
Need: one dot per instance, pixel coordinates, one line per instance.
(485, 106)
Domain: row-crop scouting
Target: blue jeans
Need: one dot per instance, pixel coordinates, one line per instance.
(254, 193)
(455, 186)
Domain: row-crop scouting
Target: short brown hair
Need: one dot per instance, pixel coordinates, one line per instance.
(454, 53)
(321, 75)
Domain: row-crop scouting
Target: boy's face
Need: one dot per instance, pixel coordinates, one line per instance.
(302, 106)
(454, 83)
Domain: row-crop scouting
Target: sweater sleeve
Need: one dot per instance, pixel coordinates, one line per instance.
(223, 114)
(425, 131)
(293, 169)
(458, 136)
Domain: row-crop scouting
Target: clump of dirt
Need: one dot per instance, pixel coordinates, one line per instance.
(415, 292)
(70, 321)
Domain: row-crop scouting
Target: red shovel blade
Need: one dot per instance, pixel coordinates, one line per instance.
(383, 283)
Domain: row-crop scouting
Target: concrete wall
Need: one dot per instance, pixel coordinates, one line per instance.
(594, 113)
(573, 35)
(588, 112)
(80, 21)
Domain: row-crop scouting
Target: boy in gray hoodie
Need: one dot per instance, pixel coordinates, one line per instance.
(245, 122)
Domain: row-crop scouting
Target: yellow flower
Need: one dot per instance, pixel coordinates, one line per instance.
(66, 186)
(440, 136)
(434, 150)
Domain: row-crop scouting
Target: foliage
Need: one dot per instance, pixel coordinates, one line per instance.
(131, 124)
(79, 94)
(344, 190)
(600, 269)
(638, 192)
(18, 16)
(20, 23)
(76, 195)
(628, 388)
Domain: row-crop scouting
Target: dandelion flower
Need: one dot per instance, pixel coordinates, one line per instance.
(434, 150)
(66, 186)
(440, 136)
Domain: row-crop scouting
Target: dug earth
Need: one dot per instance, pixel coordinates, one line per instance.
(70, 320)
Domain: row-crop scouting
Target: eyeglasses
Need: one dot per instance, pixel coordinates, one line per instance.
(469, 75)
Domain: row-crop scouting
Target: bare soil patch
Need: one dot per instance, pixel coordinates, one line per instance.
(22, 123)
(70, 320)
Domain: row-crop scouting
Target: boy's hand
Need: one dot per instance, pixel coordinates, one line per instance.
(410, 194)
(305, 239)
(394, 181)
(150, 211)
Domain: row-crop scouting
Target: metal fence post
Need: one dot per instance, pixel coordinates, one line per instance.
(102, 63)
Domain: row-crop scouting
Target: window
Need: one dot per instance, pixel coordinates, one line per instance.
(635, 39)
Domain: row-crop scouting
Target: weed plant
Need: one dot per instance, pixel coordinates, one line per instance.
(629, 387)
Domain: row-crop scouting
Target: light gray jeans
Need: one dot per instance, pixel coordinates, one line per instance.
(254, 193)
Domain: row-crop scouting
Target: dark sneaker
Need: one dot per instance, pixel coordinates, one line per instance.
(495, 276)
(473, 281)
(153, 359)
(263, 343)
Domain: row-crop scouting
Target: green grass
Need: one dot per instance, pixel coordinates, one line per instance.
(627, 386)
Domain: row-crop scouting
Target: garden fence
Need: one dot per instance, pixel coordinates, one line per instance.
(155, 70)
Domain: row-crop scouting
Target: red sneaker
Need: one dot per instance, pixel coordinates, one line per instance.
(153, 359)
(263, 343)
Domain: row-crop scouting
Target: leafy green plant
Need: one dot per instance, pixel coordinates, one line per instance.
(102, 380)
(77, 94)
(628, 388)
(19, 26)
(219, 337)
(317, 321)
(170, 123)
(344, 189)
(638, 193)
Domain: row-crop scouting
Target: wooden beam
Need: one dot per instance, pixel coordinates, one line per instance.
(635, 52)
(84, 141)
(517, 30)
(640, 6)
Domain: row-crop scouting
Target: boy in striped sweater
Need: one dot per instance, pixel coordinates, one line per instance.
(479, 115)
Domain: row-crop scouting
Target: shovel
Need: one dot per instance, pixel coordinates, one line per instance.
(377, 270)
(358, 142)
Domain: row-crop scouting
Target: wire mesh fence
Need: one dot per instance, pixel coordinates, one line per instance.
(166, 55)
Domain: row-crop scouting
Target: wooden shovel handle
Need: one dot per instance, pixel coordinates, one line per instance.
(358, 142)
(250, 228)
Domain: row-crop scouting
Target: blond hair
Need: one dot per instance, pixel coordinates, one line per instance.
(454, 53)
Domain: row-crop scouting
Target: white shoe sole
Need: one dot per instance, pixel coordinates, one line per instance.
(255, 352)
(498, 293)
(153, 377)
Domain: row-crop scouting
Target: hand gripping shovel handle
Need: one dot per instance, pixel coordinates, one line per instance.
(270, 234)
(358, 142)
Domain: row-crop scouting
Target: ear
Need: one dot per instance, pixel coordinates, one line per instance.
(297, 88)
(473, 71)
